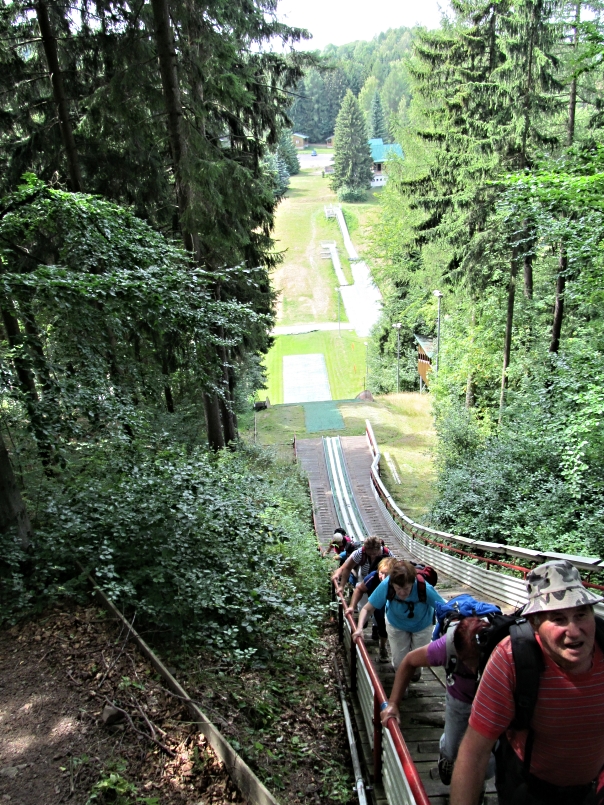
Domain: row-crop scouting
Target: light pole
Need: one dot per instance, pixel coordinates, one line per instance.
(366, 362)
(397, 327)
(439, 296)
(338, 295)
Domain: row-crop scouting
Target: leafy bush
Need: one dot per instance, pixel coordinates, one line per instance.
(213, 550)
(352, 194)
(539, 480)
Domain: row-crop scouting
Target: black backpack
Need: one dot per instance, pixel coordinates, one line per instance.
(529, 664)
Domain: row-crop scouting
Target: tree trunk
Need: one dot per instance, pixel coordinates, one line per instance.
(168, 65)
(507, 346)
(559, 303)
(213, 423)
(13, 514)
(528, 276)
(52, 57)
(562, 256)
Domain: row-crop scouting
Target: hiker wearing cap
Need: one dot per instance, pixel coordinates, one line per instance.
(340, 543)
(558, 759)
(409, 619)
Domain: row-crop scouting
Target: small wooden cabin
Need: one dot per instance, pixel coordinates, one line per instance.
(300, 140)
(425, 353)
(329, 141)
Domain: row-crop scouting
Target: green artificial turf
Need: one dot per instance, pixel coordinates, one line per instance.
(322, 416)
(344, 357)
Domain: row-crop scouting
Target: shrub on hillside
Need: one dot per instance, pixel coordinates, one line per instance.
(352, 194)
(207, 550)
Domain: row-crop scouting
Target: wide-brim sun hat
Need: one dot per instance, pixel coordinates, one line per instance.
(557, 585)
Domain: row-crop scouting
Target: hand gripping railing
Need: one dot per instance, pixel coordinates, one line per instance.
(413, 791)
(472, 549)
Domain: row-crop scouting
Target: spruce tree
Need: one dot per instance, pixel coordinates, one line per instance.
(286, 150)
(377, 123)
(352, 156)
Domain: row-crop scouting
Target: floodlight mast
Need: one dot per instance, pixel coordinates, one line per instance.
(439, 296)
(397, 327)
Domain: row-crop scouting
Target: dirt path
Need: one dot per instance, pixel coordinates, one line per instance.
(57, 674)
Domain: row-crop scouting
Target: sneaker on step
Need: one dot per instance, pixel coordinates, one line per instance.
(384, 655)
(417, 675)
(445, 770)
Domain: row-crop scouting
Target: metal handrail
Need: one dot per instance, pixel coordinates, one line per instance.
(428, 535)
(380, 702)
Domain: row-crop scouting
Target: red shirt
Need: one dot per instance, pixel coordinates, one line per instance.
(568, 721)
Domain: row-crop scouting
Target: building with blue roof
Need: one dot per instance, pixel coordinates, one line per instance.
(381, 152)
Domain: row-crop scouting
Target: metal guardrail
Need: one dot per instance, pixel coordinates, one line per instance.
(392, 762)
(470, 561)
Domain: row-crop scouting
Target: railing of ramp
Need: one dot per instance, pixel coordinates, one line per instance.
(491, 568)
(392, 762)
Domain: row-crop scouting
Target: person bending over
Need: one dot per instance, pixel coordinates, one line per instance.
(409, 620)
(364, 559)
(366, 587)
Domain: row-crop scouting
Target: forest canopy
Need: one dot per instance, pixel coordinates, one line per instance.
(498, 205)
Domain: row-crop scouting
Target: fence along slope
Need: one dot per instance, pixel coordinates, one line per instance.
(463, 558)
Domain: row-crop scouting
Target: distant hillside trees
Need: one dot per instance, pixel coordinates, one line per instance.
(352, 161)
(362, 67)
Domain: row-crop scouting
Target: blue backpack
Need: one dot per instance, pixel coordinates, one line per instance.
(448, 616)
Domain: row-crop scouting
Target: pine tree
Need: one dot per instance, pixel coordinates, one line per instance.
(286, 150)
(352, 157)
(377, 123)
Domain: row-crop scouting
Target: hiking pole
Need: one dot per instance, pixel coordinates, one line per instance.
(356, 764)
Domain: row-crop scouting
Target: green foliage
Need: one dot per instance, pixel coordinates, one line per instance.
(377, 124)
(365, 68)
(352, 194)
(287, 151)
(493, 207)
(352, 157)
(214, 551)
(110, 311)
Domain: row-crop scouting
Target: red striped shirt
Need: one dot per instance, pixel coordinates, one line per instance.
(568, 721)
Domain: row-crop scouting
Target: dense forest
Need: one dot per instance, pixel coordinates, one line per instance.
(498, 204)
(144, 151)
(379, 67)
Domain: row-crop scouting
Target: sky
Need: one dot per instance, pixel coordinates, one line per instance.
(338, 22)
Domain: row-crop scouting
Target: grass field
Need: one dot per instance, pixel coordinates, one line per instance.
(305, 281)
(403, 427)
(344, 356)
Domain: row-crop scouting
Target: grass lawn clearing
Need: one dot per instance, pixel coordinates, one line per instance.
(344, 357)
(403, 427)
(305, 280)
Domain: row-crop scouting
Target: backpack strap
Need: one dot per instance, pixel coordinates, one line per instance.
(421, 588)
(529, 664)
(452, 659)
(600, 632)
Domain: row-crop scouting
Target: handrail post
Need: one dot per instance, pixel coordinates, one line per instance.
(377, 740)
(353, 666)
(340, 622)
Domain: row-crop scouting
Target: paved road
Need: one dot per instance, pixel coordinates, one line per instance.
(320, 161)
